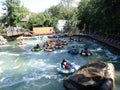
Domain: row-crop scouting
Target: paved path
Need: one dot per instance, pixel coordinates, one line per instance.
(106, 41)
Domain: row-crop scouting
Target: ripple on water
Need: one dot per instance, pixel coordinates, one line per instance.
(41, 65)
(8, 53)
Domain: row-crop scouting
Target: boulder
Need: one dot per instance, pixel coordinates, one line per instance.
(90, 77)
(2, 40)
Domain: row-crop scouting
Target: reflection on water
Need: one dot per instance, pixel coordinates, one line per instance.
(21, 69)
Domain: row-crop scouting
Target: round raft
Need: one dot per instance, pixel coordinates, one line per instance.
(65, 43)
(86, 54)
(66, 71)
(49, 50)
(56, 36)
(36, 49)
(73, 51)
(58, 46)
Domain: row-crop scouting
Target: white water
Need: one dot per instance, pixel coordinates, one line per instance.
(23, 68)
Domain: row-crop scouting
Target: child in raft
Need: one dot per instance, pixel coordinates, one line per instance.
(65, 65)
(85, 50)
(37, 46)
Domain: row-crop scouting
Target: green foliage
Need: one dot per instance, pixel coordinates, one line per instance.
(51, 16)
(99, 15)
(68, 3)
(3, 31)
(71, 20)
(14, 12)
(64, 13)
(42, 20)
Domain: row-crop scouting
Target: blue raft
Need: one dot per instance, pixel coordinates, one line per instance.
(73, 51)
(66, 71)
(86, 54)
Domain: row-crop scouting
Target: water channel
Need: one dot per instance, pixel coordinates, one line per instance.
(22, 69)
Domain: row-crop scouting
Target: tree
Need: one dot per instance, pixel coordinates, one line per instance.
(62, 12)
(14, 12)
(44, 19)
(71, 20)
(54, 11)
(101, 16)
(68, 3)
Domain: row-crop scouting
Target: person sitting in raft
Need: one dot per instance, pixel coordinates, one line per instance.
(65, 65)
(85, 50)
(73, 47)
(49, 47)
(37, 46)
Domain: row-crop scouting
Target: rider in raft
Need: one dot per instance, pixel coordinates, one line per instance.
(65, 65)
(37, 46)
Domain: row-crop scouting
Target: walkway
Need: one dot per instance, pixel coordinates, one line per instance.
(110, 42)
(19, 33)
(14, 33)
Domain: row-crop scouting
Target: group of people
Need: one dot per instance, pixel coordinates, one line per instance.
(49, 44)
(75, 39)
(65, 64)
(54, 44)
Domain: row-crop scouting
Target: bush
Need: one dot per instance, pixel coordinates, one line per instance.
(3, 31)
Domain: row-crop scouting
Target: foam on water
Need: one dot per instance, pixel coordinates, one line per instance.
(16, 67)
(98, 49)
(1, 71)
(32, 42)
(45, 84)
(10, 83)
(8, 53)
(61, 51)
(77, 67)
(7, 82)
(114, 61)
(2, 79)
(34, 63)
(60, 78)
(5, 45)
(110, 55)
(1, 62)
(41, 85)
(16, 60)
(40, 64)
(28, 52)
(36, 76)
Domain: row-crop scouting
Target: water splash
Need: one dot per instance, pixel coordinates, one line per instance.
(1, 71)
(97, 49)
(8, 53)
(40, 64)
(60, 51)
